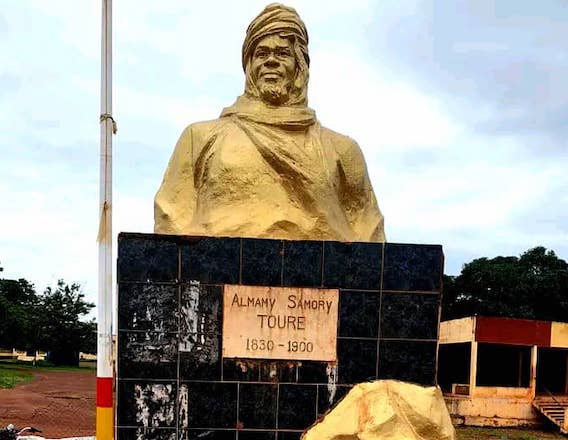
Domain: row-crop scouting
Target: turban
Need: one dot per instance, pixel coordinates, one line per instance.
(280, 20)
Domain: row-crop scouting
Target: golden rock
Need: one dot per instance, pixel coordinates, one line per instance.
(266, 167)
(386, 410)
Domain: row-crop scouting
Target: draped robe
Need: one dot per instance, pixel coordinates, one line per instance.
(268, 172)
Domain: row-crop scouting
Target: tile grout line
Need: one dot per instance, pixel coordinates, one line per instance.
(240, 261)
(277, 404)
(317, 401)
(380, 310)
(283, 253)
(178, 360)
(322, 263)
(238, 409)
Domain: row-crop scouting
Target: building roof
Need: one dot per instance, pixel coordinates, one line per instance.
(505, 331)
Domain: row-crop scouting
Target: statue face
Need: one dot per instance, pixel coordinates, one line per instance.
(273, 68)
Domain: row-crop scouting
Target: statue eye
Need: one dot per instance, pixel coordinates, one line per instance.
(261, 53)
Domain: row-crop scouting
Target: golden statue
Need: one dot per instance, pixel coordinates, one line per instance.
(267, 168)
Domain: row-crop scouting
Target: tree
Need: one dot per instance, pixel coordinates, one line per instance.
(61, 332)
(18, 308)
(532, 286)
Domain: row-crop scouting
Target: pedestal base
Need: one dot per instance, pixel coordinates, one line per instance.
(173, 381)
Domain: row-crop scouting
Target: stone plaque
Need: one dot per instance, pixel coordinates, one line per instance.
(280, 322)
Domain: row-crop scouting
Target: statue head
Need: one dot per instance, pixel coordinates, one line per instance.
(275, 57)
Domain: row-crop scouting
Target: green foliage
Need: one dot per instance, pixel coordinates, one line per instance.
(11, 377)
(532, 286)
(60, 329)
(50, 321)
(18, 308)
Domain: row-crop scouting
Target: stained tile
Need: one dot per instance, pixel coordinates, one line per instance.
(412, 267)
(211, 260)
(208, 434)
(303, 263)
(409, 361)
(146, 434)
(314, 371)
(359, 313)
(278, 371)
(330, 395)
(200, 309)
(261, 262)
(257, 406)
(257, 435)
(200, 356)
(357, 360)
(409, 315)
(216, 403)
(145, 355)
(150, 307)
(352, 265)
(244, 370)
(147, 259)
(146, 403)
(296, 406)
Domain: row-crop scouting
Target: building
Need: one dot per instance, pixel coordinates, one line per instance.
(504, 371)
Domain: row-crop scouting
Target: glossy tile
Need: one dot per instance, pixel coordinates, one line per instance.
(216, 403)
(261, 262)
(257, 406)
(357, 360)
(409, 315)
(303, 263)
(359, 313)
(409, 361)
(296, 406)
(147, 260)
(211, 260)
(410, 267)
(352, 265)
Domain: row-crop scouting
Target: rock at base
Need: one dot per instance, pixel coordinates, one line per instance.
(386, 410)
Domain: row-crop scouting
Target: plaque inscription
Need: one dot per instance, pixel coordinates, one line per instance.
(280, 322)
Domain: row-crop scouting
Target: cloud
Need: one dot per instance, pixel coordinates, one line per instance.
(459, 109)
(353, 97)
(509, 61)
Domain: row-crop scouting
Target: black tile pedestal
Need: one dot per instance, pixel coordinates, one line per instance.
(173, 382)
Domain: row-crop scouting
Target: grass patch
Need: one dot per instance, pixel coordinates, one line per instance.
(47, 366)
(11, 377)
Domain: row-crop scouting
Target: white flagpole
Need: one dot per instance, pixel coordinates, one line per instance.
(105, 416)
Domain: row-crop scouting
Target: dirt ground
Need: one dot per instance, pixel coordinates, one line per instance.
(471, 433)
(60, 403)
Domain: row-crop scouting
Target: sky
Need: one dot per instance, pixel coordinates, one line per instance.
(460, 108)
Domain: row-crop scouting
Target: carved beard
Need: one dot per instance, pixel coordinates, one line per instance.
(274, 94)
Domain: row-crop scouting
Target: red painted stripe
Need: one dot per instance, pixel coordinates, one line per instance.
(513, 331)
(104, 392)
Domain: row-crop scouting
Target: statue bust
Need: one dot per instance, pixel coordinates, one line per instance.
(267, 168)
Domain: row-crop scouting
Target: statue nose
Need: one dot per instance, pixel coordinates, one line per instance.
(271, 60)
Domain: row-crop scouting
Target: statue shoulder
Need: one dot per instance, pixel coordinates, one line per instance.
(203, 128)
(342, 144)
(198, 134)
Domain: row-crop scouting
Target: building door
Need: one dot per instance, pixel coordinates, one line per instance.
(551, 371)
